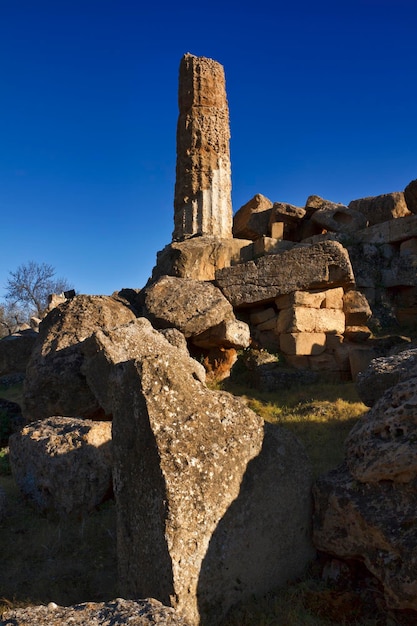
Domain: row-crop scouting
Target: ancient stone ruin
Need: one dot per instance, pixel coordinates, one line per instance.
(202, 204)
(213, 504)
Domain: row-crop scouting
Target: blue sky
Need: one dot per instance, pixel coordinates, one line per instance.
(322, 98)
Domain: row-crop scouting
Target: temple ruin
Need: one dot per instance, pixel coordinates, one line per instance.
(202, 204)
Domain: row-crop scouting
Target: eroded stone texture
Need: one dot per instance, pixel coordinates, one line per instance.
(54, 384)
(197, 309)
(410, 194)
(251, 221)
(63, 464)
(121, 612)
(199, 258)
(183, 474)
(319, 266)
(202, 204)
(372, 522)
(377, 209)
(382, 444)
(339, 219)
(384, 372)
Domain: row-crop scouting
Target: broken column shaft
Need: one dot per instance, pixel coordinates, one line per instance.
(202, 204)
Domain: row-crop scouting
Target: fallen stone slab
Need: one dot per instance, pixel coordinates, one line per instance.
(121, 612)
(410, 195)
(305, 267)
(251, 221)
(339, 219)
(63, 464)
(54, 384)
(198, 309)
(212, 503)
(378, 209)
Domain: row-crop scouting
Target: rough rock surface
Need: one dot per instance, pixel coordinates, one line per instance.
(200, 257)
(63, 464)
(372, 522)
(15, 351)
(410, 194)
(382, 444)
(377, 209)
(385, 372)
(339, 219)
(54, 384)
(322, 265)
(116, 612)
(251, 221)
(202, 204)
(190, 500)
(193, 307)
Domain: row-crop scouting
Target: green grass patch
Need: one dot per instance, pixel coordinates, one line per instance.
(320, 415)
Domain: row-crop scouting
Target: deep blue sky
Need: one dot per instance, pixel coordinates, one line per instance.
(322, 98)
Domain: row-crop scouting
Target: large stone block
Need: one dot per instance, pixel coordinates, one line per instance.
(377, 209)
(307, 320)
(189, 305)
(319, 266)
(54, 384)
(410, 195)
(302, 343)
(393, 231)
(339, 219)
(251, 221)
(199, 258)
(63, 464)
(213, 505)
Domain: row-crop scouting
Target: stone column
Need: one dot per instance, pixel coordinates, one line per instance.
(202, 204)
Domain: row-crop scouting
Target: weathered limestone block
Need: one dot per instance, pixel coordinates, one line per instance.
(339, 219)
(54, 384)
(360, 356)
(258, 317)
(357, 334)
(318, 266)
(374, 523)
(194, 307)
(203, 487)
(382, 444)
(251, 221)
(15, 351)
(302, 343)
(385, 372)
(308, 320)
(202, 204)
(227, 334)
(393, 231)
(330, 299)
(277, 230)
(129, 612)
(63, 464)
(356, 308)
(410, 195)
(377, 209)
(266, 245)
(270, 324)
(199, 258)
(315, 203)
(286, 213)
